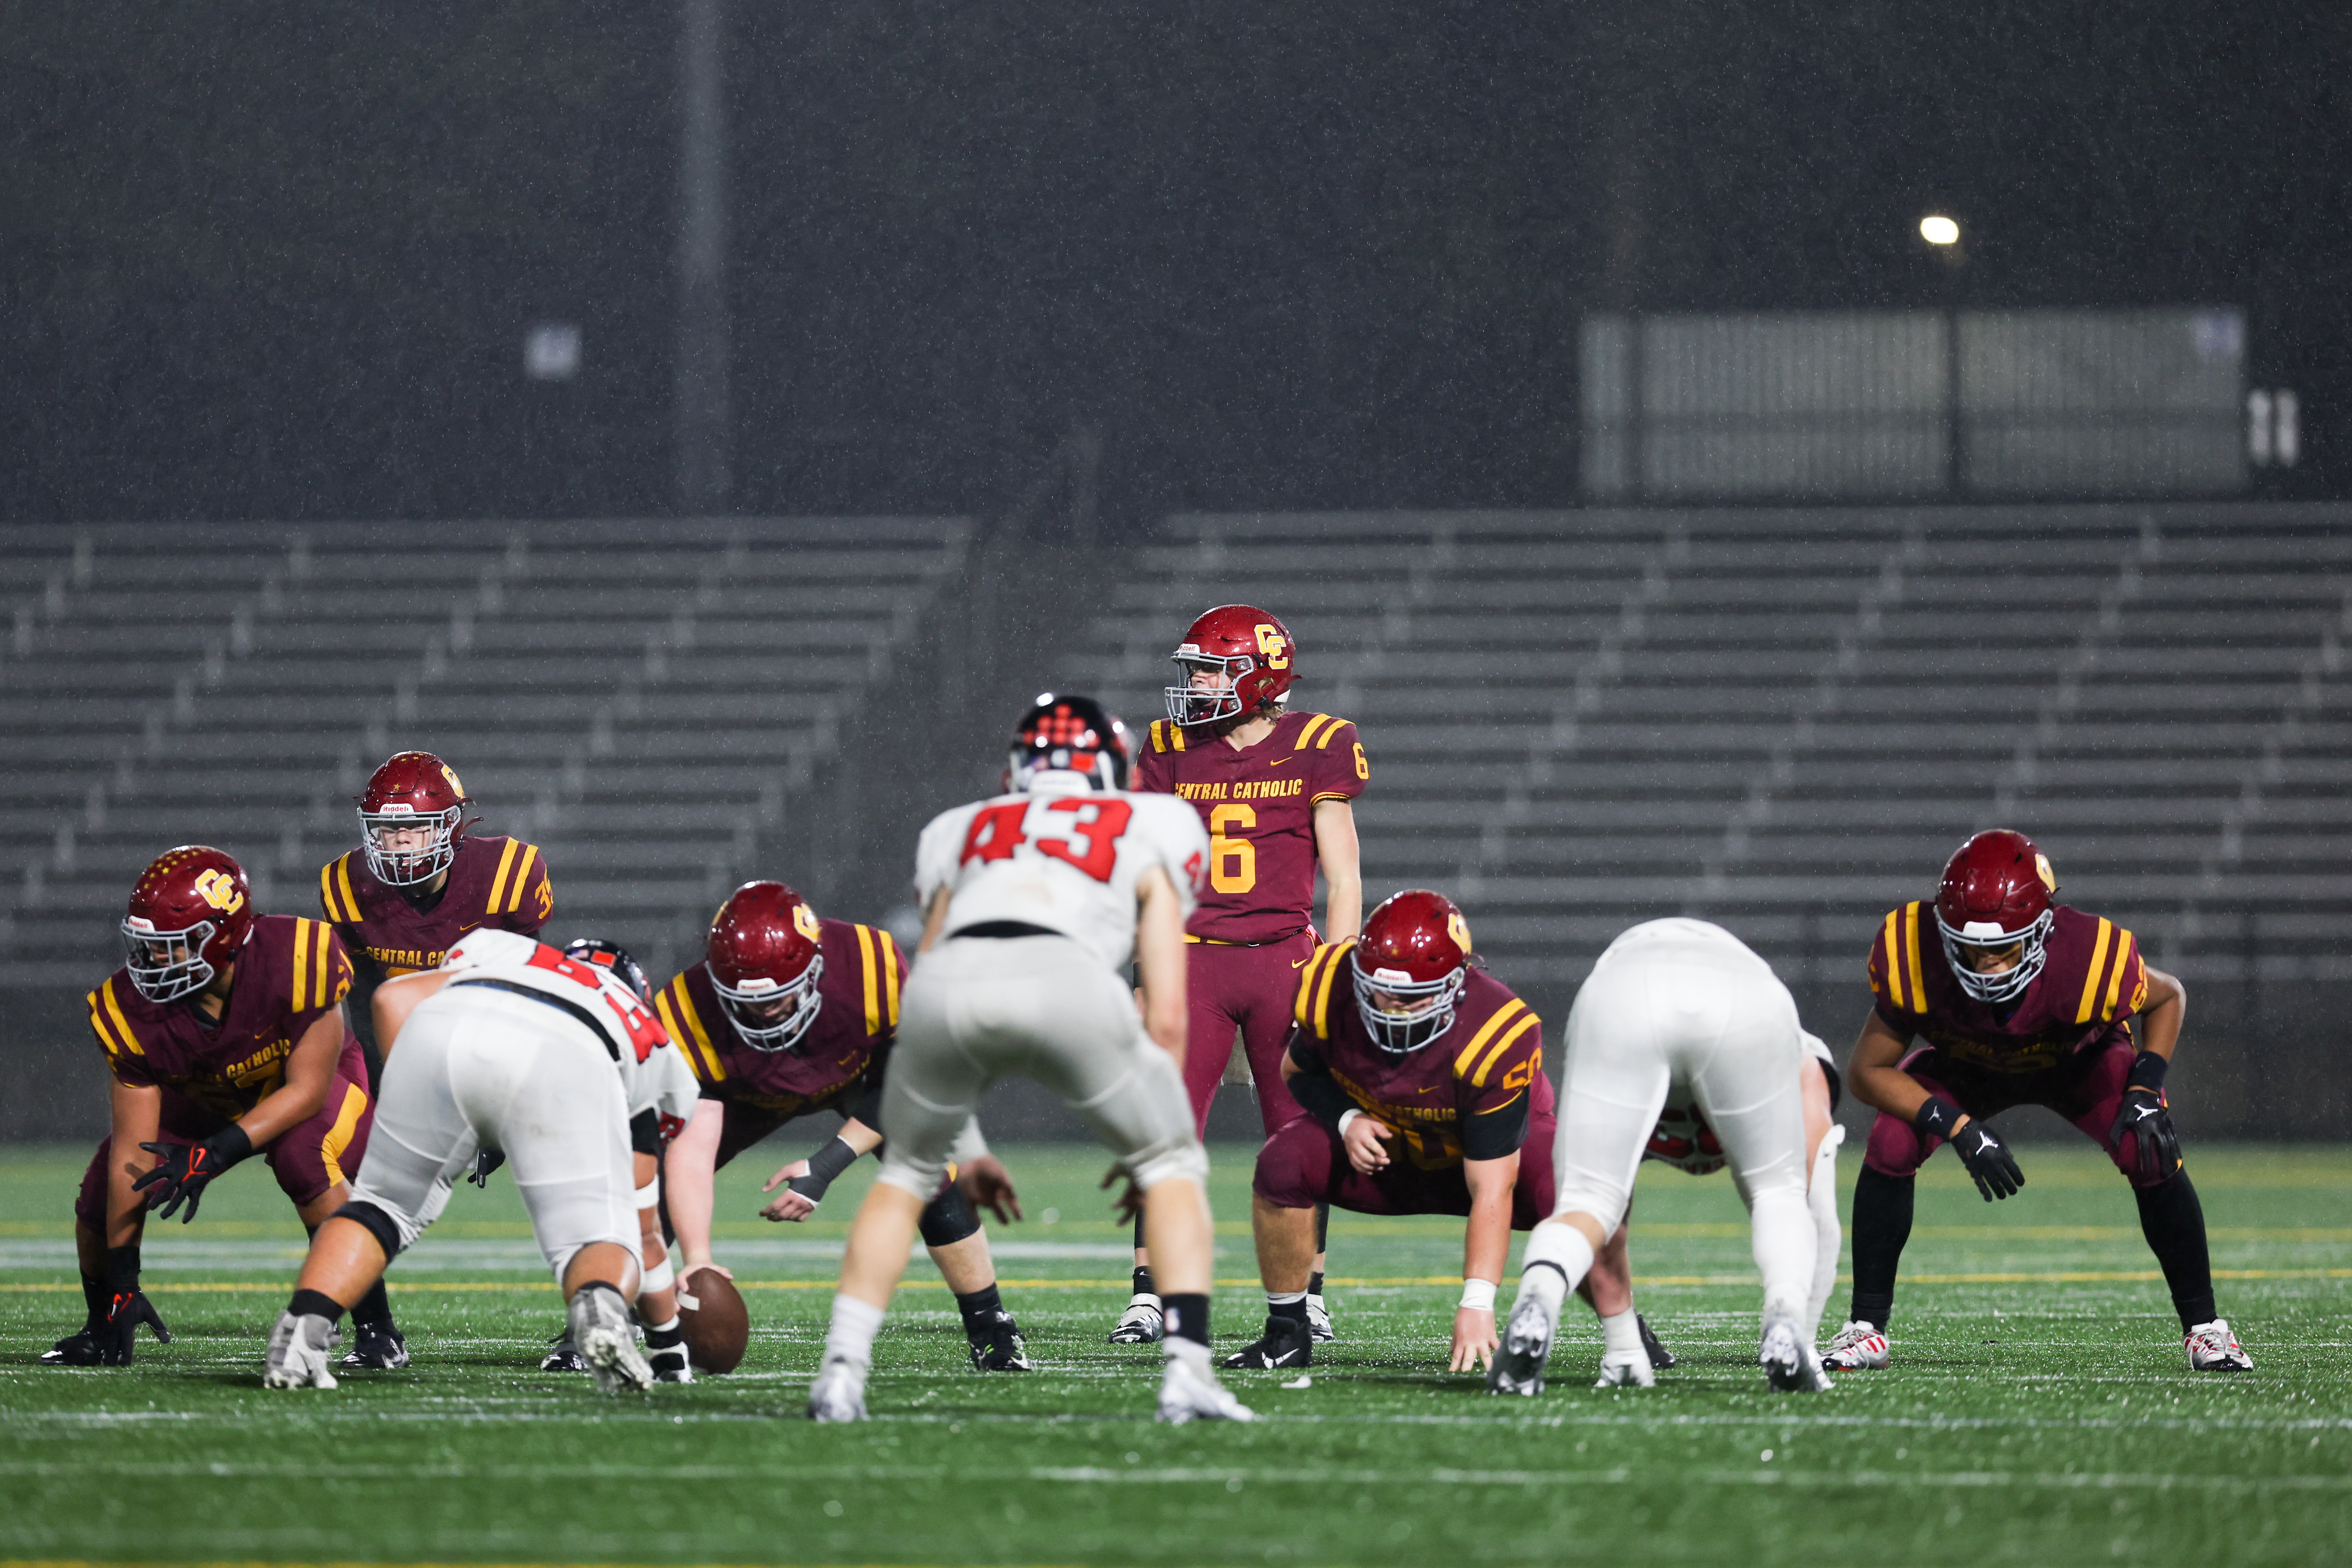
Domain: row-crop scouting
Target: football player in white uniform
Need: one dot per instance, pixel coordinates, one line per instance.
(1035, 903)
(508, 1046)
(1674, 1009)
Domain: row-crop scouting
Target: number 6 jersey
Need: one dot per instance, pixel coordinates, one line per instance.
(1066, 857)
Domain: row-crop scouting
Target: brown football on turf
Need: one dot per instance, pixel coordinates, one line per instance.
(719, 1329)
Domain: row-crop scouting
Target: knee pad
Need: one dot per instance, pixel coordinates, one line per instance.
(1288, 1174)
(379, 1223)
(1894, 1147)
(1186, 1160)
(905, 1174)
(947, 1219)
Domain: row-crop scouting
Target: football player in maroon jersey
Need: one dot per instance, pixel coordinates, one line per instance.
(2019, 1000)
(418, 883)
(1422, 1091)
(790, 1014)
(224, 1037)
(1275, 791)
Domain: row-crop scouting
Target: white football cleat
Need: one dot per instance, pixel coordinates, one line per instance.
(1627, 1371)
(299, 1351)
(839, 1392)
(1859, 1347)
(607, 1340)
(1518, 1364)
(1143, 1323)
(1790, 1364)
(2213, 1348)
(1318, 1323)
(1189, 1391)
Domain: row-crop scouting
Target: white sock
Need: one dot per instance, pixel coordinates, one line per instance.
(1570, 1255)
(1176, 1347)
(1780, 1236)
(854, 1324)
(1828, 1237)
(1620, 1336)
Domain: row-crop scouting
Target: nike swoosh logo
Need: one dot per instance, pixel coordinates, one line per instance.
(1279, 761)
(468, 926)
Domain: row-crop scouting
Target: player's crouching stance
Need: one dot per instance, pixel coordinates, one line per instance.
(1675, 1008)
(1398, 1041)
(511, 1046)
(2021, 1002)
(1035, 903)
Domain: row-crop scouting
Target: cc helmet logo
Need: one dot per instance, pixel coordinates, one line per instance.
(218, 889)
(804, 922)
(1274, 646)
(1459, 930)
(2049, 876)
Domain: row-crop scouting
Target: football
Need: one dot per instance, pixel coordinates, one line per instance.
(719, 1328)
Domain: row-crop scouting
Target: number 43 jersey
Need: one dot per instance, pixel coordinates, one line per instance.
(1066, 857)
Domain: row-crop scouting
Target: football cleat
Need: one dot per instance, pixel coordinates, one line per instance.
(1189, 1391)
(1002, 1348)
(1859, 1347)
(74, 1350)
(2213, 1348)
(670, 1365)
(377, 1346)
(298, 1352)
(839, 1392)
(562, 1355)
(607, 1340)
(1661, 1358)
(1286, 1342)
(1143, 1322)
(1627, 1372)
(1790, 1364)
(1318, 1321)
(1518, 1364)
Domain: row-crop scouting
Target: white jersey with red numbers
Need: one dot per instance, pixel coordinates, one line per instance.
(654, 1075)
(1065, 856)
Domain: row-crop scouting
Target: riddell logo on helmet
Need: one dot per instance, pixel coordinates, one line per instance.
(218, 889)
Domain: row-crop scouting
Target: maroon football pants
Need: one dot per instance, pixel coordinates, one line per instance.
(1304, 1163)
(1249, 989)
(2087, 1091)
(310, 1159)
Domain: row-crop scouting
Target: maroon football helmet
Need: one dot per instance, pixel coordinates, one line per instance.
(1074, 734)
(766, 955)
(411, 790)
(189, 916)
(1996, 894)
(1251, 649)
(1411, 966)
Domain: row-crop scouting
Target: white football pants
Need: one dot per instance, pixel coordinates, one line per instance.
(1680, 1002)
(476, 1068)
(980, 1008)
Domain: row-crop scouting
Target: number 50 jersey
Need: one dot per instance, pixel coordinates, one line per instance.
(1066, 857)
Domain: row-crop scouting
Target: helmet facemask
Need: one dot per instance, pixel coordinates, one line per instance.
(408, 867)
(1980, 935)
(1426, 1010)
(166, 965)
(769, 1017)
(1192, 703)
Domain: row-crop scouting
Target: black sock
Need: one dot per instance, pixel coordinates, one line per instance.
(1188, 1317)
(2174, 1223)
(1143, 1280)
(1882, 1223)
(1322, 1230)
(1295, 1311)
(372, 1310)
(96, 1296)
(316, 1303)
(1138, 1231)
(1315, 1284)
(979, 1311)
(661, 1339)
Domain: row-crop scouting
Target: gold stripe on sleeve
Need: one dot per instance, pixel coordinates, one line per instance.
(1487, 1065)
(1911, 951)
(302, 976)
(1322, 1016)
(1893, 969)
(326, 891)
(889, 977)
(1501, 1016)
(1159, 739)
(1300, 1001)
(2116, 981)
(121, 1024)
(1307, 732)
(2091, 979)
(873, 992)
(98, 1027)
(343, 884)
(323, 990)
(521, 877)
(1331, 734)
(499, 882)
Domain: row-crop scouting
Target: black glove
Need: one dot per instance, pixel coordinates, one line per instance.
(127, 1307)
(1989, 1161)
(181, 1170)
(2156, 1147)
(825, 1165)
(485, 1162)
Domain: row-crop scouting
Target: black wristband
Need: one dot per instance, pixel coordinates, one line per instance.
(2146, 1071)
(122, 1269)
(823, 1166)
(1936, 1118)
(1321, 1097)
(228, 1145)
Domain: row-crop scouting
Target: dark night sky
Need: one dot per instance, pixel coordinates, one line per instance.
(278, 259)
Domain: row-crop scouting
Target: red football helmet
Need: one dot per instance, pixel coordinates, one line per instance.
(413, 790)
(1074, 735)
(190, 914)
(1411, 966)
(1249, 658)
(1996, 894)
(766, 956)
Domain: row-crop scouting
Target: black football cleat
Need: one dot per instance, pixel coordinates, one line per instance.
(562, 1355)
(1287, 1342)
(1660, 1357)
(1002, 1348)
(670, 1364)
(74, 1350)
(376, 1346)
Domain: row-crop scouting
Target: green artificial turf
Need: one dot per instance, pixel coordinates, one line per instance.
(2039, 1411)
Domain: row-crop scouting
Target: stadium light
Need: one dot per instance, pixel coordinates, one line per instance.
(1938, 229)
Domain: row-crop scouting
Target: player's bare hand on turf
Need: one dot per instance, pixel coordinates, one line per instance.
(987, 1184)
(1474, 1340)
(1127, 1205)
(1362, 1141)
(791, 1205)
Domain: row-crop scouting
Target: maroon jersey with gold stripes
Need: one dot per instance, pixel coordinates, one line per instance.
(834, 1064)
(2092, 982)
(1474, 1086)
(1258, 804)
(497, 883)
(290, 973)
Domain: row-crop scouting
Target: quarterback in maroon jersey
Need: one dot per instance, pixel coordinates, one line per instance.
(789, 1014)
(1422, 1091)
(2019, 1001)
(224, 1037)
(1275, 789)
(418, 883)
